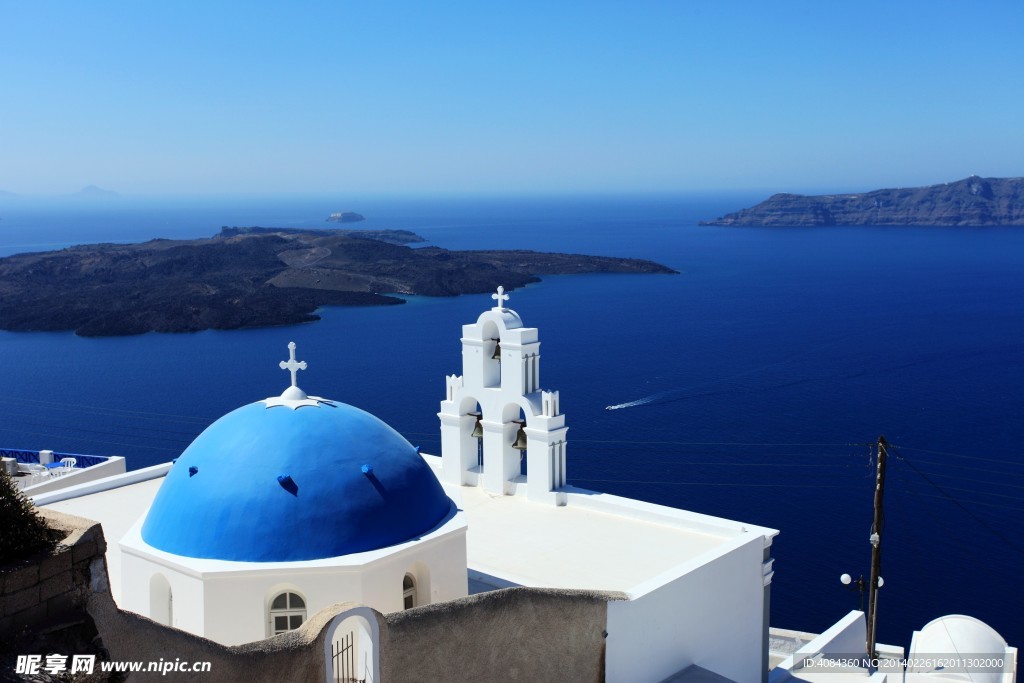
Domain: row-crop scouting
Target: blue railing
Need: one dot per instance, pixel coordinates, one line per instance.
(32, 457)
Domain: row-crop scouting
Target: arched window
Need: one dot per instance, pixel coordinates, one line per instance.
(287, 612)
(409, 591)
(161, 600)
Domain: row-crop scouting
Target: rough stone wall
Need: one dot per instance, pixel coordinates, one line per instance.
(42, 594)
(70, 586)
(294, 656)
(516, 634)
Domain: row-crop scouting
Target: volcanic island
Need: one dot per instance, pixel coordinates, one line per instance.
(256, 277)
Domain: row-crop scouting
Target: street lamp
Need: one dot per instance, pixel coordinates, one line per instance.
(860, 585)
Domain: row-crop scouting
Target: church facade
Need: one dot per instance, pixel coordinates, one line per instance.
(292, 504)
(284, 507)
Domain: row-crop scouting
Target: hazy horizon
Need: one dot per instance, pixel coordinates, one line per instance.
(114, 196)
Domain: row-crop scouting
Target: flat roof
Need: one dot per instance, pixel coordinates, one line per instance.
(549, 546)
(596, 541)
(116, 510)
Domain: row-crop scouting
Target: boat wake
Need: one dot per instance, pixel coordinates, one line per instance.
(640, 401)
(720, 385)
(670, 396)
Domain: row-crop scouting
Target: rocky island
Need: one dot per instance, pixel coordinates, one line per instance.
(973, 201)
(346, 217)
(254, 277)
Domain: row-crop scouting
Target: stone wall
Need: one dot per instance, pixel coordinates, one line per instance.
(514, 634)
(526, 634)
(44, 594)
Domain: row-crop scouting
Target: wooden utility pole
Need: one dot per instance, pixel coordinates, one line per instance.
(876, 551)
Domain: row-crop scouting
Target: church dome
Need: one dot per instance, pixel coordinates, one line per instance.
(294, 478)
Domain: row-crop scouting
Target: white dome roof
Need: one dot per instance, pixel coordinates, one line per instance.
(956, 635)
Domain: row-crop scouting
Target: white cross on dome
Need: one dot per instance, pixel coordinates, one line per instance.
(293, 365)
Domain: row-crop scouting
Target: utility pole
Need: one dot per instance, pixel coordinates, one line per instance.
(876, 551)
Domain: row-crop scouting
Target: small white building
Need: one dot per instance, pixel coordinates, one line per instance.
(291, 504)
(286, 506)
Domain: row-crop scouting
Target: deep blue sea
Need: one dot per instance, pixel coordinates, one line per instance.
(748, 386)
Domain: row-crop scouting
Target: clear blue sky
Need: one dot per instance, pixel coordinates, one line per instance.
(472, 96)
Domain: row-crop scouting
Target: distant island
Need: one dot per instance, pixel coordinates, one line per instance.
(973, 201)
(93, 192)
(89, 193)
(346, 217)
(389, 236)
(255, 277)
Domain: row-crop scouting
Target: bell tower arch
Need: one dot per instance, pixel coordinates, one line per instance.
(495, 412)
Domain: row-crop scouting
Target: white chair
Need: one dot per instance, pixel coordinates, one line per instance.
(69, 465)
(36, 474)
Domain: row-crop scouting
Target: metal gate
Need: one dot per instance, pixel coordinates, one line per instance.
(344, 659)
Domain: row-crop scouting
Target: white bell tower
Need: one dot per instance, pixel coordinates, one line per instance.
(497, 395)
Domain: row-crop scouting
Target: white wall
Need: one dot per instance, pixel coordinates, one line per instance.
(228, 602)
(113, 466)
(237, 605)
(438, 566)
(237, 602)
(711, 615)
(188, 592)
(843, 639)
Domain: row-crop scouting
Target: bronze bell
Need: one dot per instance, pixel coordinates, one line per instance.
(520, 444)
(478, 428)
(497, 350)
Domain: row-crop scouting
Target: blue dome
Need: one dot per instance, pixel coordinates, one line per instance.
(279, 484)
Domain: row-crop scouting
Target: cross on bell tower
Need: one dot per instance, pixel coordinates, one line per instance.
(501, 297)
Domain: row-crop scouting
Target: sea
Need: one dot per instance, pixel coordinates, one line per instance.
(753, 385)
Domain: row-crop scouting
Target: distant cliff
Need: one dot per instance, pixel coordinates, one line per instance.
(346, 217)
(972, 201)
(254, 277)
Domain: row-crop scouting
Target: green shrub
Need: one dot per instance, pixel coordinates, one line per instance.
(22, 531)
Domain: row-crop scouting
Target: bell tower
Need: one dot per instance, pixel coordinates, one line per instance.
(498, 429)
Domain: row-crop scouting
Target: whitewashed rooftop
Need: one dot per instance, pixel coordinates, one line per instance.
(116, 510)
(596, 541)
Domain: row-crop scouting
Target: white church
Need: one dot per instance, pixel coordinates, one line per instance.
(291, 504)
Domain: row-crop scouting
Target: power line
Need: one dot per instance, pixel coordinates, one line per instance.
(971, 502)
(965, 457)
(950, 533)
(719, 463)
(972, 468)
(960, 505)
(103, 409)
(978, 481)
(721, 443)
(701, 483)
(982, 493)
(178, 437)
(696, 443)
(103, 441)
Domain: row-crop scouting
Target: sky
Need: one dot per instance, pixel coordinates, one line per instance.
(466, 96)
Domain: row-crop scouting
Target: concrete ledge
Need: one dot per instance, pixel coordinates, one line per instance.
(105, 484)
(114, 466)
